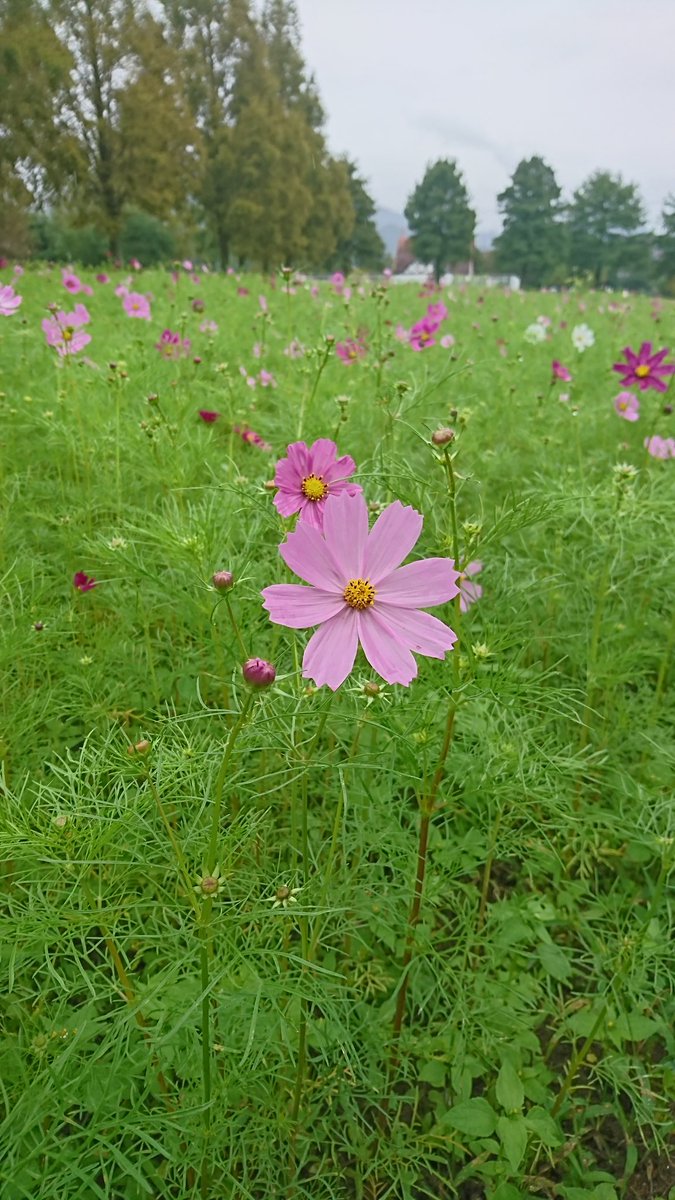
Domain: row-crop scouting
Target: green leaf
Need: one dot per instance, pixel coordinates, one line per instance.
(512, 1133)
(433, 1072)
(542, 1123)
(635, 1027)
(506, 1191)
(509, 1089)
(474, 1117)
(554, 961)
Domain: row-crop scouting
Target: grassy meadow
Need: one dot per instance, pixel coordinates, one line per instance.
(343, 1011)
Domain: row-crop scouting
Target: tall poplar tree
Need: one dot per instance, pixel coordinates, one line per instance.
(362, 247)
(441, 220)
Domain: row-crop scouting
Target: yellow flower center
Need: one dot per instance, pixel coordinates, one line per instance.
(642, 371)
(313, 487)
(623, 405)
(68, 334)
(359, 594)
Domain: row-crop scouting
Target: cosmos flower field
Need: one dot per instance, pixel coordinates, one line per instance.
(337, 739)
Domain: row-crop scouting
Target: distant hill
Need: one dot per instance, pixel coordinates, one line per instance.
(392, 225)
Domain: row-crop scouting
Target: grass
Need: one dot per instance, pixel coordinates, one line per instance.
(353, 1014)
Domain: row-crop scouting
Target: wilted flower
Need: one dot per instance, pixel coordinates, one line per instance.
(136, 305)
(359, 593)
(469, 591)
(308, 476)
(644, 369)
(582, 338)
(9, 301)
(443, 437)
(258, 672)
(83, 583)
(535, 333)
(627, 406)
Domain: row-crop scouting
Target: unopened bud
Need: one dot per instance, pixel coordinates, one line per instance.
(209, 885)
(258, 672)
(667, 408)
(153, 398)
(442, 437)
(141, 747)
(371, 688)
(222, 580)
(39, 626)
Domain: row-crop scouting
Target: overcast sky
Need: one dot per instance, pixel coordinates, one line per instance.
(584, 83)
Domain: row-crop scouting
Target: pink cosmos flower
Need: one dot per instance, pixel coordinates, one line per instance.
(172, 345)
(644, 369)
(9, 301)
(71, 281)
(187, 264)
(437, 312)
(360, 593)
(63, 332)
(103, 278)
(18, 269)
(136, 305)
(83, 583)
(627, 406)
(561, 372)
(422, 334)
(135, 264)
(338, 281)
(121, 290)
(350, 351)
(660, 447)
(251, 437)
(447, 341)
(208, 416)
(469, 591)
(309, 476)
(242, 291)
(266, 379)
(295, 349)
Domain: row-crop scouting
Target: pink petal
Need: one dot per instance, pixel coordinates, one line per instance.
(322, 456)
(298, 457)
(306, 553)
(391, 539)
(287, 475)
(345, 527)
(311, 512)
(420, 584)
(419, 630)
(344, 485)
(330, 652)
(473, 568)
(386, 654)
(300, 607)
(287, 503)
(340, 469)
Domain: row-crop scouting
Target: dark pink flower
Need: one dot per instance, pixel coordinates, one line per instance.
(644, 369)
(103, 278)
(627, 406)
(308, 476)
(421, 336)
(360, 593)
(258, 672)
(469, 591)
(350, 350)
(208, 416)
(561, 372)
(251, 437)
(83, 583)
(172, 345)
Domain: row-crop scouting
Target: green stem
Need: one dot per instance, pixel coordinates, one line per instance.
(577, 1061)
(212, 857)
(303, 406)
(237, 631)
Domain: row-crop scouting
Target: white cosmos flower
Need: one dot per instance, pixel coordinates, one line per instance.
(582, 337)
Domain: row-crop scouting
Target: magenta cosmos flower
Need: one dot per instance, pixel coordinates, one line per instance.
(627, 406)
(561, 372)
(83, 583)
(469, 591)
(309, 476)
(350, 351)
(9, 301)
(208, 415)
(644, 369)
(421, 335)
(360, 593)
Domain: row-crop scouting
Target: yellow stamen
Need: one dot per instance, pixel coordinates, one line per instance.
(67, 334)
(359, 594)
(313, 487)
(642, 371)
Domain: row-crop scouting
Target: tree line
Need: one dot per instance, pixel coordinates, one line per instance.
(599, 237)
(172, 126)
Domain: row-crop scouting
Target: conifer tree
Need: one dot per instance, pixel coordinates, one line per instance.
(441, 221)
(531, 244)
(608, 238)
(362, 247)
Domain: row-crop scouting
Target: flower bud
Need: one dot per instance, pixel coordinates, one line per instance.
(222, 580)
(39, 626)
(371, 688)
(258, 673)
(442, 437)
(141, 747)
(667, 408)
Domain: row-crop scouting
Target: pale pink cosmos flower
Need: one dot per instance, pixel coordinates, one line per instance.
(136, 305)
(660, 447)
(63, 331)
(469, 591)
(121, 290)
(627, 406)
(447, 341)
(18, 269)
(9, 301)
(295, 349)
(309, 476)
(360, 593)
(266, 379)
(208, 327)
